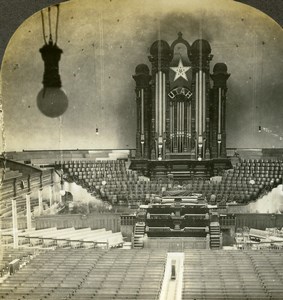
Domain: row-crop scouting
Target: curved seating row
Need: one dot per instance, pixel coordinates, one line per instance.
(245, 182)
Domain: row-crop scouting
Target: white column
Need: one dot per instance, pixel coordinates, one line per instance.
(51, 195)
(61, 195)
(28, 211)
(15, 223)
(40, 205)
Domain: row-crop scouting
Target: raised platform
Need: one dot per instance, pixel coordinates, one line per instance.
(176, 243)
(180, 169)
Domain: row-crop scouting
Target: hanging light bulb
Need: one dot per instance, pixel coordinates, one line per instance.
(96, 131)
(259, 128)
(51, 100)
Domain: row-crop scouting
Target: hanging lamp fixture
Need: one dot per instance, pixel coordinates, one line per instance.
(52, 101)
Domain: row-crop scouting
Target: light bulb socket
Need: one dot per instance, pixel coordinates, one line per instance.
(51, 55)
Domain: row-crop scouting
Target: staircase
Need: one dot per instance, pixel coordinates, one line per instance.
(215, 235)
(138, 235)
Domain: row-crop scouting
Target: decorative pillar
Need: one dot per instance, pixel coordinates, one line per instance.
(160, 56)
(200, 57)
(142, 79)
(15, 223)
(28, 209)
(218, 110)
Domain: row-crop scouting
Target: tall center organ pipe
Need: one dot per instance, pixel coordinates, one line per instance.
(200, 103)
(160, 103)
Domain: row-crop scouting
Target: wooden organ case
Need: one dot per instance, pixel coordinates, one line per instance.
(180, 114)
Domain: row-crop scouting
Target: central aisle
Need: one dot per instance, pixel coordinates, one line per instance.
(172, 288)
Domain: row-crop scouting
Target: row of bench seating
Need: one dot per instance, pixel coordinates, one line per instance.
(137, 274)
(89, 274)
(233, 275)
(9, 254)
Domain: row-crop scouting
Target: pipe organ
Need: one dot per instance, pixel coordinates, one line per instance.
(179, 116)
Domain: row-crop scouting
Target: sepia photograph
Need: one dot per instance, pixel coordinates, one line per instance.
(141, 149)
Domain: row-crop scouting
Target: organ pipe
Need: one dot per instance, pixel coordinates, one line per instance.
(180, 147)
(171, 125)
(171, 119)
(189, 126)
(175, 124)
(178, 124)
(160, 103)
(219, 110)
(219, 123)
(156, 103)
(197, 105)
(142, 111)
(142, 122)
(183, 104)
(203, 101)
(164, 103)
(200, 102)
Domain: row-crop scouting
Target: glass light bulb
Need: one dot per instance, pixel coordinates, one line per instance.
(52, 101)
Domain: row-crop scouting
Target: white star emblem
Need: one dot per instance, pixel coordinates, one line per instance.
(180, 71)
